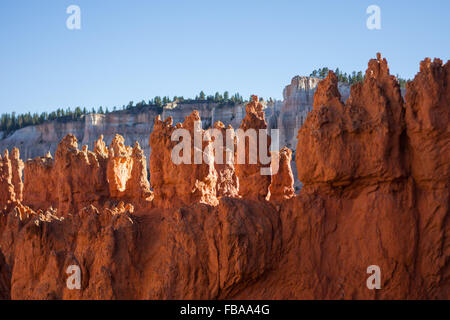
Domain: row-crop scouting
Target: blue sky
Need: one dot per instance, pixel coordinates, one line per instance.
(136, 49)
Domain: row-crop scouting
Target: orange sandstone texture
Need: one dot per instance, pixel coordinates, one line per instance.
(7, 193)
(362, 139)
(227, 180)
(17, 166)
(80, 180)
(119, 167)
(282, 185)
(138, 185)
(40, 183)
(183, 183)
(126, 170)
(252, 184)
(376, 192)
(427, 119)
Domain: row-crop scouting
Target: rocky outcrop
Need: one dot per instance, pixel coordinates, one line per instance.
(252, 183)
(17, 166)
(40, 183)
(138, 185)
(282, 183)
(376, 193)
(374, 112)
(7, 194)
(427, 117)
(427, 126)
(126, 171)
(80, 180)
(355, 162)
(297, 103)
(119, 168)
(227, 181)
(182, 176)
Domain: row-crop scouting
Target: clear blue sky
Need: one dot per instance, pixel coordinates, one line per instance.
(136, 49)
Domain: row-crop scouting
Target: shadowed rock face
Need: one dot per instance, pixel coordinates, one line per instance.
(376, 192)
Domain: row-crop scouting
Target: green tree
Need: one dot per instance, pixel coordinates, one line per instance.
(77, 113)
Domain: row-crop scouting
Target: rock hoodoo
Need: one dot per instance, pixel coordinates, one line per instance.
(252, 184)
(192, 180)
(282, 184)
(7, 193)
(40, 183)
(359, 140)
(227, 181)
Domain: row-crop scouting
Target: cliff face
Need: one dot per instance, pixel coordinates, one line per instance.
(376, 192)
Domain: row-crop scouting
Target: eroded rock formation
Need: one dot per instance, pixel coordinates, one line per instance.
(252, 183)
(181, 177)
(376, 192)
(364, 135)
(227, 180)
(7, 193)
(17, 166)
(40, 183)
(282, 184)
(427, 122)
(80, 180)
